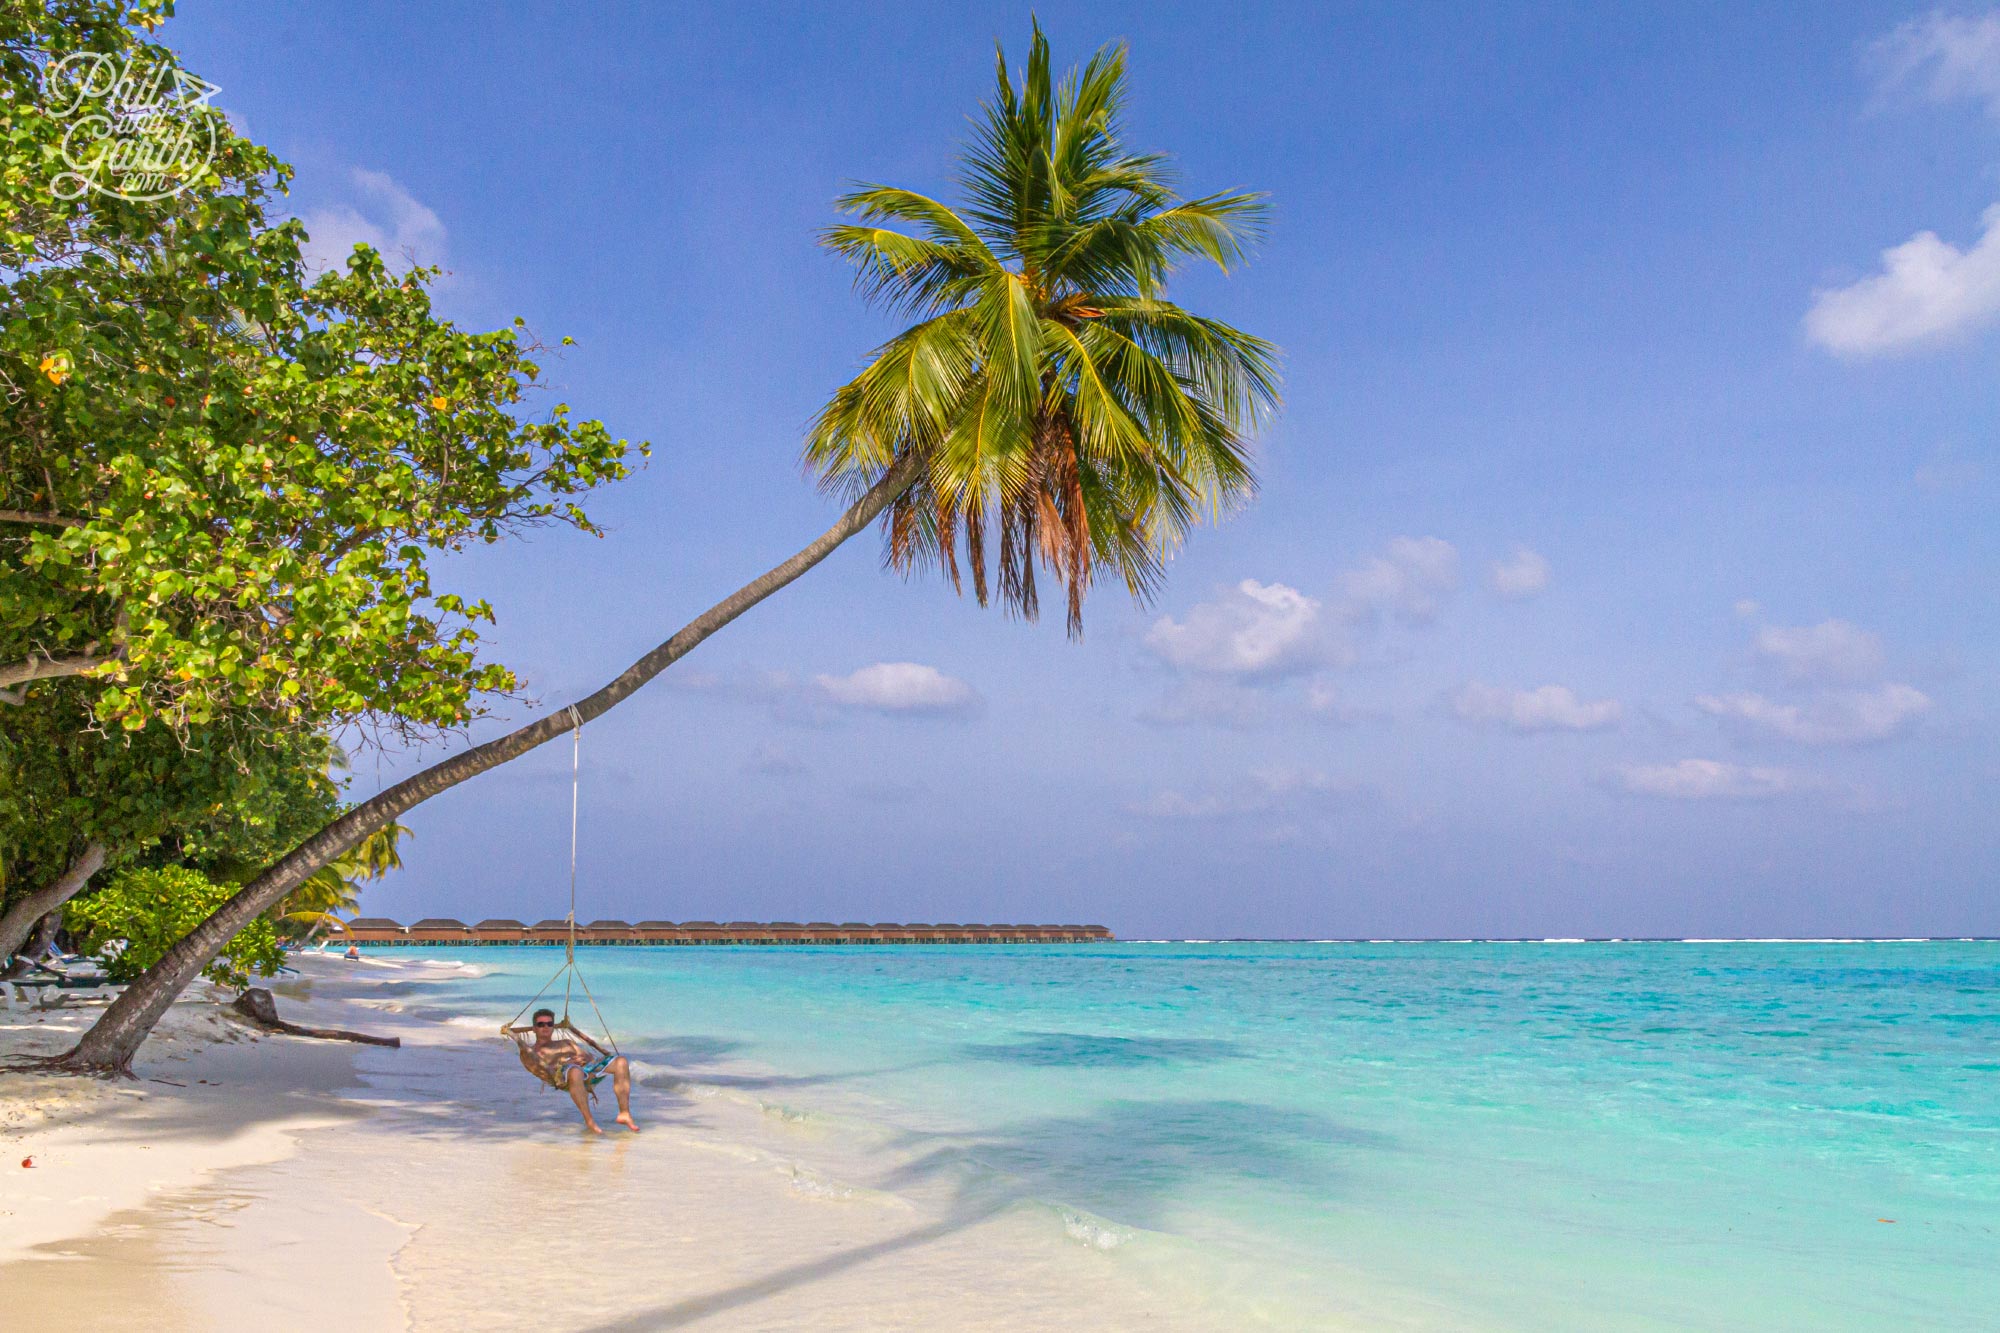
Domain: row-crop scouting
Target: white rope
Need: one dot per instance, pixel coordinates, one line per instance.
(571, 975)
(575, 782)
(575, 786)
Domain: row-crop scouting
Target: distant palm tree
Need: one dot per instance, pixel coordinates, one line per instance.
(1050, 402)
(1055, 398)
(336, 886)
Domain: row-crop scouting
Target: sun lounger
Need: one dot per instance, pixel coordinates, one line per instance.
(42, 978)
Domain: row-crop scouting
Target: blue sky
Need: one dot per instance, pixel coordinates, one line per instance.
(1626, 560)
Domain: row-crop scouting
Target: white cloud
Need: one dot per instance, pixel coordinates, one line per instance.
(1928, 290)
(898, 688)
(1262, 632)
(1550, 708)
(1267, 792)
(1522, 574)
(1248, 647)
(389, 218)
(1170, 804)
(1833, 650)
(1713, 780)
(1832, 717)
(1256, 630)
(1325, 703)
(1943, 57)
(1747, 608)
(1408, 579)
(1210, 702)
(1946, 470)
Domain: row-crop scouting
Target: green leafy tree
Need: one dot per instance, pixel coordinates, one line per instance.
(131, 922)
(233, 792)
(222, 479)
(1050, 400)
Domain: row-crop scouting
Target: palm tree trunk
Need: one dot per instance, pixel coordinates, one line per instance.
(22, 916)
(108, 1047)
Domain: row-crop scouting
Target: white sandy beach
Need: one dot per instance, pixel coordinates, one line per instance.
(246, 1180)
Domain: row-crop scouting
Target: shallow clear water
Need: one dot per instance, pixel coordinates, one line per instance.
(1506, 1136)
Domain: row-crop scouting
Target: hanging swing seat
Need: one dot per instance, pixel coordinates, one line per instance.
(594, 1071)
(522, 1034)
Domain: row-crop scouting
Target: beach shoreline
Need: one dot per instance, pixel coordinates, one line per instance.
(1319, 1137)
(434, 1183)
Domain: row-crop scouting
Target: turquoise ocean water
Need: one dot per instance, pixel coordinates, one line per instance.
(1483, 1136)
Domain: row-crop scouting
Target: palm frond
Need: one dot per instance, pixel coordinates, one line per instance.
(1067, 414)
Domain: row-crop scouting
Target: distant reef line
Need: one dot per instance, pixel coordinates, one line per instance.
(433, 931)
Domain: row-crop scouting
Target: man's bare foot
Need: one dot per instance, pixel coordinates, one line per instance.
(625, 1119)
(593, 1126)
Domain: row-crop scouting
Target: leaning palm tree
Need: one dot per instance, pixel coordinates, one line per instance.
(1062, 411)
(1049, 409)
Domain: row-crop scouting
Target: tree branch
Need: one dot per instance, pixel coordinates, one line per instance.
(48, 668)
(48, 520)
(257, 1005)
(21, 918)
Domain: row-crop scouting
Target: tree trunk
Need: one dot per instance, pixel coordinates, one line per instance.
(45, 934)
(108, 1047)
(257, 1005)
(22, 916)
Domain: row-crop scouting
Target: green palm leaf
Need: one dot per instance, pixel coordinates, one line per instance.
(1067, 415)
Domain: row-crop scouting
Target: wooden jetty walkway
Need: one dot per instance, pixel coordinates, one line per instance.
(433, 931)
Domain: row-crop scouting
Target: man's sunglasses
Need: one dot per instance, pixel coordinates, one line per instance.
(545, 1022)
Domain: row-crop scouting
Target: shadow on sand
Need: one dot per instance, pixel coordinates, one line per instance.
(1127, 1160)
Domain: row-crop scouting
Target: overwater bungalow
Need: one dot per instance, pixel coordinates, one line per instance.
(554, 930)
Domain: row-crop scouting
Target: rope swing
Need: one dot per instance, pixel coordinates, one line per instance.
(569, 973)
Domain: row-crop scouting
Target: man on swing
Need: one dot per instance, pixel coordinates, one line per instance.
(564, 1063)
